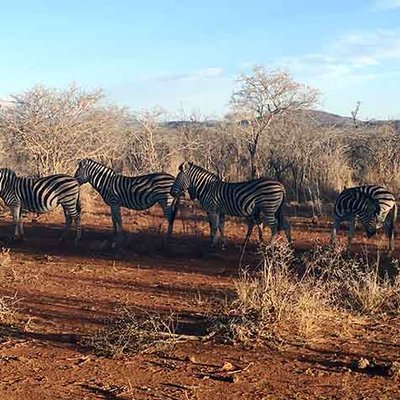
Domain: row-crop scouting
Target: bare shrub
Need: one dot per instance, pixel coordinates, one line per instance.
(147, 149)
(47, 130)
(128, 333)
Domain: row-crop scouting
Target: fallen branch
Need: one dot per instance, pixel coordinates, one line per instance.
(183, 338)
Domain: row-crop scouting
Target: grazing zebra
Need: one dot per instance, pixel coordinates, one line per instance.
(41, 195)
(259, 201)
(137, 193)
(372, 204)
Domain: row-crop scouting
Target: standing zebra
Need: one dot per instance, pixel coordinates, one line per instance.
(41, 195)
(372, 204)
(260, 200)
(137, 193)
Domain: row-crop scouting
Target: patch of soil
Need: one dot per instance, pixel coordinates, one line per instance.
(68, 292)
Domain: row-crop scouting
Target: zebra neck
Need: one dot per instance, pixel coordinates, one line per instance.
(201, 185)
(101, 179)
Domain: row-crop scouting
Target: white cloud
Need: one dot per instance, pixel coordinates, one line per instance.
(376, 46)
(386, 4)
(357, 56)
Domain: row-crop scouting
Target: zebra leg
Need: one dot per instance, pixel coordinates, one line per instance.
(260, 227)
(389, 231)
(17, 220)
(21, 225)
(214, 225)
(78, 229)
(221, 230)
(170, 208)
(274, 234)
(336, 226)
(283, 224)
(116, 219)
(117, 223)
(352, 227)
(68, 221)
(250, 226)
(287, 228)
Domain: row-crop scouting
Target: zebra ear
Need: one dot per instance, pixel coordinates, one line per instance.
(184, 166)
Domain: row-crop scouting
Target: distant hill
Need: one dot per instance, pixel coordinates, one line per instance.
(330, 119)
(320, 117)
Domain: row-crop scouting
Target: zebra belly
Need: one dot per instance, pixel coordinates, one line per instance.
(38, 208)
(133, 205)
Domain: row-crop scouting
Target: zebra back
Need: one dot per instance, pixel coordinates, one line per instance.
(39, 195)
(138, 192)
(250, 198)
(372, 199)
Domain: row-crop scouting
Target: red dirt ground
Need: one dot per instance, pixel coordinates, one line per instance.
(67, 292)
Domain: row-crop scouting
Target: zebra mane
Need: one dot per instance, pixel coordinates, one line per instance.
(94, 162)
(203, 170)
(8, 171)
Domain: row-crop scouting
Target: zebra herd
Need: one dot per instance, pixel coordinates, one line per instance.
(260, 201)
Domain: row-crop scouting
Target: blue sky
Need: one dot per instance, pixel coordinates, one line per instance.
(185, 55)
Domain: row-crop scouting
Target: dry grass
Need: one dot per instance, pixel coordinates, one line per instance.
(5, 258)
(7, 269)
(276, 304)
(366, 290)
(360, 284)
(129, 333)
(320, 293)
(8, 310)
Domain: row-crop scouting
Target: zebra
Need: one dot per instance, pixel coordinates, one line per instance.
(259, 201)
(372, 204)
(41, 195)
(137, 192)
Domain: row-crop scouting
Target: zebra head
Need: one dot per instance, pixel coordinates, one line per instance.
(82, 173)
(6, 176)
(369, 218)
(182, 181)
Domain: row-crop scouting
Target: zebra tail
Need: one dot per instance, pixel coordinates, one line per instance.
(174, 206)
(394, 216)
(78, 202)
(279, 214)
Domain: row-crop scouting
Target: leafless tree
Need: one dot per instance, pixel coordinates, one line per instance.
(48, 130)
(260, 98)
(354, 114)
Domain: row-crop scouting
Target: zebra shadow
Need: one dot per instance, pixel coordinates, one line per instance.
(182, 251)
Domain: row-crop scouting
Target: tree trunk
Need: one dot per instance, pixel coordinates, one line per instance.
(253, 161)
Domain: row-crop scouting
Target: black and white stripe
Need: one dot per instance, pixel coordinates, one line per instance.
(137, 193)
(373, 205)
(41, 195)
(259, 201)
